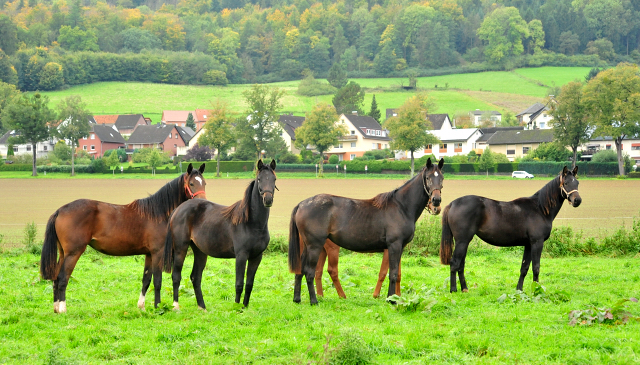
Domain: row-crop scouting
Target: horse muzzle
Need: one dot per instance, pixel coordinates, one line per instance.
(267, 199)
(575, 202)
(434, 204)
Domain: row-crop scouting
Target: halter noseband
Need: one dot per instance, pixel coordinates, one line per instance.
(262, 192)
(187, 189)
(424, 185)
(563, 190)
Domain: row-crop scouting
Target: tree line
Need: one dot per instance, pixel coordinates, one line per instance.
(49, 43)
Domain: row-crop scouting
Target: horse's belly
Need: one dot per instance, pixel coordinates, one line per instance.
(120, 248)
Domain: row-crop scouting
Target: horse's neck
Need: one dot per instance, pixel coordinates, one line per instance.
(413, 198)
(258, 213)
(559, 201)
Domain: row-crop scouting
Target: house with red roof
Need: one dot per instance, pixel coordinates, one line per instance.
(124, 123)
(166, 137)
(101, 139)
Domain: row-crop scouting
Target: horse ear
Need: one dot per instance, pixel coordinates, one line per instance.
(190, 168)
(429, 164)
(260, 164)
(201, 169)
(565, 170)
(575, 171)
(273, 164)
(441, 163)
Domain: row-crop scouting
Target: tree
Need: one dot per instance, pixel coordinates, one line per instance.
(7, 93)
(409, 129)
(261, 125)
(8, 73)
(61, 151)
(112, 160)
(613, 104)
(503, 30)
(349, 98)
(74, 117)
(154, 159)
(536, 36)
(550, 151)
(375, 112)
(76, 39)
(320, 129)
(570, 122)
(385, 61)
(29, 116)
(486, 161)
(198, 153)
(136, 39)
(9, 40)
(601, 47)
(337, 77)
(218, 132)
(569, 43)
(191, 123)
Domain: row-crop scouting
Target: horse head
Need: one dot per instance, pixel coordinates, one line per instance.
(266, 181)
(432, 181)
(194, 183)
(569, 186)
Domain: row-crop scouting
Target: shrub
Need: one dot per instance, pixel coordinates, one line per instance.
(351, 350)
(334, 159)
(29, 241)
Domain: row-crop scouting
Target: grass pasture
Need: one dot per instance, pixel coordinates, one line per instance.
(503, 91)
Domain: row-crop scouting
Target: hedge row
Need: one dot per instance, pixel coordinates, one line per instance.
(225, 166)
(16, 167)
(584, 168)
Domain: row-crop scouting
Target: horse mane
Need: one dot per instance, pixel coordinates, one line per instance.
(238, 212)
(546, 197)
(381, 200)
(159, 205)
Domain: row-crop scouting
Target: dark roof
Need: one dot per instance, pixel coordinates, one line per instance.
(107, 134)
(390, 112)
(289, 123)
(529, 136)
(480, 112)
(186, 133)
(156, 133)
(437, 120)
(127, 121)
(488, 132)
(364, 122)
(536, 114)
(532, 109)
(6, 136)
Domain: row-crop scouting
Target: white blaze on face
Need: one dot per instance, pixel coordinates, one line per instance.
(436, 173)
(199, 179)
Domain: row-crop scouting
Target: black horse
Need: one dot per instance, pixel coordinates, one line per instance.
(384, 222)
(239, 231)
(522, 222)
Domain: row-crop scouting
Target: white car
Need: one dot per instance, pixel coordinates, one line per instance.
(521, 175)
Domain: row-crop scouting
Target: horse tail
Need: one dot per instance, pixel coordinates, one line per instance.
(49, 255)
(446, 243)
(294, 244)
(168, 250)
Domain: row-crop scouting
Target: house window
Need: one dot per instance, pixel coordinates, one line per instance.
(443, 147)
(457, 147)
(170, 135)
(29, 147)
(175, 146)
(374, 146)
(542, 124)
(353, 156)
(340, 157)
(15, 149)
(511, 152)
(353, 145)
(176, 135)
(93, 148)
(385, 146)
(93, 136)
(635, 147)
(428, 148)
(84, 147)
(353, 132)
(608, 146)
(339, 145)
(85, 138)
(378, 133)
(525, 150)
(44, 148)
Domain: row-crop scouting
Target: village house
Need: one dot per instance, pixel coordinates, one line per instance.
(166, 137)
(438, 121)
(177, 117)
(363, 134)
(630, 146)
(124, 123)
(518, 143)
(477, 116)
(536, 117)
(289, 124)
(487, 133)
(101, 139)
(453, 142)
(42, 148)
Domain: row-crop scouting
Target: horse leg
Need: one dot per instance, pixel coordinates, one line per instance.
(146, 280)
(241, 265)
(399, 276)
(526, 261)
(309, 267)
(457, 262)
(463, 281)
(251, 274)
(332, 268)
(66, 269)
(384, 268)
(319, 268)
(536, 252)
(395, 253)
(179, 255)
(297, 288)
(199, 263)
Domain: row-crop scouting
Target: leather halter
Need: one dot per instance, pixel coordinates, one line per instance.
(563, 190)
(187, 190)
(424, 185)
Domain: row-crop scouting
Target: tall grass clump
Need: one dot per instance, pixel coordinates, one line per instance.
(352, 350)
(29, 240)
(426, 239)
(563, 242)
(278, 244)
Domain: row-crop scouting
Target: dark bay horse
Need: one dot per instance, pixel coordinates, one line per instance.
(238, 231)
(331, 251)
(138, 228)
(384, 222)
(522, 222)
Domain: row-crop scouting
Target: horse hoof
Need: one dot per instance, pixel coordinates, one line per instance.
(202, 309)
(55, 307)
(176, 306)
(297, 301)
(141, 302)
(465, 290)
(62, 307)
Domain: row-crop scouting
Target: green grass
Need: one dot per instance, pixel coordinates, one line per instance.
(152, 99)
(104, 325)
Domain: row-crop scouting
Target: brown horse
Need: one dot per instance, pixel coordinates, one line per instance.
(138, 228)
(522, 222)
(384, 222)
(331, 251)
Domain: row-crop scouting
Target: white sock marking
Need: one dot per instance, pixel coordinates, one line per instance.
(141, 301)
